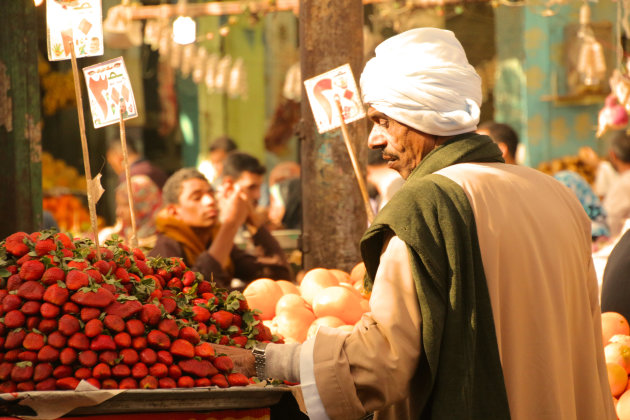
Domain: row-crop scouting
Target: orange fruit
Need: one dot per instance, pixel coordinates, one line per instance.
(618, 353)
(293, 325)
(623, 406)
(340, 302)
(315, 280)
(357, 273)
(329, 321)
(613, 323)
(290, 302)
(617, 379)
(341, 275)
(263, 294)
(288, 287)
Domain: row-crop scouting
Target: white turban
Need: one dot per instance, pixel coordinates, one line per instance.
(422, 78)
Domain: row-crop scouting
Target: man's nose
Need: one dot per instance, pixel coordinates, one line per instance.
(208, 200)
(376, 139)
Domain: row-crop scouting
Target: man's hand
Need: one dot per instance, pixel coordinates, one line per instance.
(243, 359)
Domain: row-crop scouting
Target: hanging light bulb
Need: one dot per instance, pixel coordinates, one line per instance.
(184, 30)
(591, 63)
(38, 2)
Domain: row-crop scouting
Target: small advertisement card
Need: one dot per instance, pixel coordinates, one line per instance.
(76, 21)
(322, 92)
(108, 84)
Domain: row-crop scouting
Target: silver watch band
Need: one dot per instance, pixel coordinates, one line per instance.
(259, 360)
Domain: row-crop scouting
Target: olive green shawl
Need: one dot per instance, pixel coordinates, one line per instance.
(460, 370)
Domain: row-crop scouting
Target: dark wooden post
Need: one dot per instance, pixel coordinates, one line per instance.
(20, 122)
(334, 218)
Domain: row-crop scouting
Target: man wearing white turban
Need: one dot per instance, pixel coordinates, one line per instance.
(472, 316)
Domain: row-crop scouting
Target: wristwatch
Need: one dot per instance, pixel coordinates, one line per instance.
(259, 360)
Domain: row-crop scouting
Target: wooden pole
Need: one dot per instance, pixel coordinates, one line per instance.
(133, 240)
(333, 214)
(84, 146)
(355, 164)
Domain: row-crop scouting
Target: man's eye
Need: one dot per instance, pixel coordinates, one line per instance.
(383, 122)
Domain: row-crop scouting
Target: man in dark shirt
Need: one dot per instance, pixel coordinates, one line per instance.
(188, 227)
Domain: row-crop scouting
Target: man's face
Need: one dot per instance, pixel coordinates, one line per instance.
(249, 183)
(403, 147)
(197, 206)
(115, 159)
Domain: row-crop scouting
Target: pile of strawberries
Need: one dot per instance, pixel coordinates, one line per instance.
(119, 322)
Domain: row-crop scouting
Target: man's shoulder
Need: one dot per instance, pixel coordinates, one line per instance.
(165, 246)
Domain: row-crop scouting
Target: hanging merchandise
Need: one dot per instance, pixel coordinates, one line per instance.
(120, 31)
(591, 63)
(189, 52)
(152, 31)
(199, 66)
(164, 44)
(612, 117)
(223, 74)
(212, 63)
(175, 55)
(292, 88)
(237, 84)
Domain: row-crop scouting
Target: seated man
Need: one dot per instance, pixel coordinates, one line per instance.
(504, 136)
(188, 227)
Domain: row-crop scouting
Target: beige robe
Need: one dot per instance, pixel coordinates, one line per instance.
(535, 244)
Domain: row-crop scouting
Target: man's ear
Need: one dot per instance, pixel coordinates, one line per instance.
(172, 210)
(504, 149)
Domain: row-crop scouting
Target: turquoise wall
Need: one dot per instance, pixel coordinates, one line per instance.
(531, 71)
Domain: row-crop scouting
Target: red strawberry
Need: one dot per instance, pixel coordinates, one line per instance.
(135, 327)
(32, 270)
(15, 244)
(70, 308)
(182, 348)
(14, 319)
(27, 356)
(139, 370)
(150, 314)
(121, 371)
(79, 341)
(49, 311)
(189, 334)
(93, 327)
(169, 326)
(174, 372)
(31, 290)
(128, 383)
(143, 267)
(129, 356)
(102, 266)
(62, 371)
(138, 254)
(148, 382)
(23, 259)
(185, 382)
(95, 275)
(169, 304)
(68, 325)
(199, 368)
(11, 302)
(22, 372)
(48, 354)
(108, 357)
(101, 371)
(110, 287)
(222, 318)
(188, 278)
(200, 314)
(201, 382)
(79, 265)
(14, 282)
(122, 275)
(167, 383)
(65, 240)
(94, 382)
(99, 299)
(87, 314)
(109, 383)
(165, 274)
(67, 253)
(240, 341)
(53, 275)
(42, 371)
(12, 356)
(205, 287)
(158, 339)
(30, 307)
(76, 279)
(148, 356)
(158, 370)
(68, 383)
(224, 340)
(83, 373)
(124, 309)
(57, 339)
(139, 343)
(202, 329)
(8, 386)
(14, 339)
(46, 385)
(237, 379)
(26, 386)
(223, 363)
(165, 357)
(103, 342)
(45, 246)
(204, 350)
(114, 323)
(122, 340)
(156, 294)
(219, 380)
(237, 320)
(88, 358)
(56, 294)
(33, 341)
(175, 283)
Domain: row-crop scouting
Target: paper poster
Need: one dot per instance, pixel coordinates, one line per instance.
(80, 21)
(322, 92)
(108, 84)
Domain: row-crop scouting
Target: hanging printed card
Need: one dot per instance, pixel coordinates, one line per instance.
(108, 84)
(77, 21)
(322, 92)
